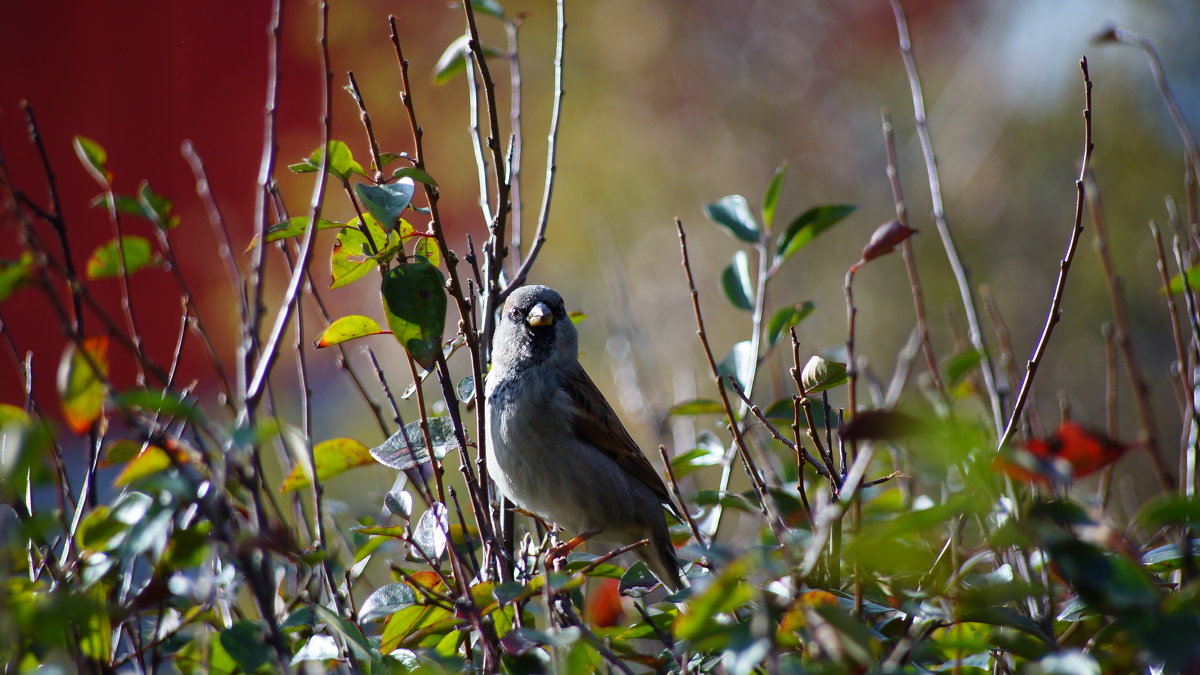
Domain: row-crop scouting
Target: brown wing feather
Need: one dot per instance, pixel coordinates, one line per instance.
(598, 425)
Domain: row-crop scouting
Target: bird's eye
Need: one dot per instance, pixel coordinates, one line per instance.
(514, 313)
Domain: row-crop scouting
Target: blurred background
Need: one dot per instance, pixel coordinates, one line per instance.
(668, 105)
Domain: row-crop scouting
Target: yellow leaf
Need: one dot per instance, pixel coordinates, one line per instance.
(330, 457)
(81, 382)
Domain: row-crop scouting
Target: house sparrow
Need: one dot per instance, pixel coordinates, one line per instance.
(557, 449)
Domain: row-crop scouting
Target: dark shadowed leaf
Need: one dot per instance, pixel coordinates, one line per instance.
(808, 225)
(735, 281)
(414, 300)
(1171, 510)
(739, 363)
(880, 425)
(347, 328)
(637, 580)
(106, 262)
(246, 643)
(785, 319)
(387, 202)
(733, 214)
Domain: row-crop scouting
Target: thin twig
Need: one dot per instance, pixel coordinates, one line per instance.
(551, 154)
(1064, 265)
(939, 213)
(1148, 434)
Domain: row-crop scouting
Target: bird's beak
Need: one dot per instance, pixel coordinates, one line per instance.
(540, 315)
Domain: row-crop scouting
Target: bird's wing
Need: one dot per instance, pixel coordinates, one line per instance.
(598, 425)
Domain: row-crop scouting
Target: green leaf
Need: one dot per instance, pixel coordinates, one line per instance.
(733, 213)
(820, 374)
(414, 301)
(465, 390)
(961, 364)
(317, 648)
(427, 248)
(93, 158)
(785, 319)
(698, 406)
(387, 202)
(394, 452)
(292, 227)
(155, 207)
(245, 641)
(1176, 284)
(386, 600)
(151, 460)
(105, 262)
(347, 328)
(454, 59)
(351, 258)
(735, 281)
(331, 457)
(80, 385)
(700, 616)
(1171, 509)
(125, 204)
(341, 161)
(637, 581)
(771, 197)
(808, 225)
(488, 7)
(346, 628)
(158, 402)
(14, 274)
(415, 174)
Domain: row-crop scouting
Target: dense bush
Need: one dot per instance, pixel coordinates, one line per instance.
(931, 522)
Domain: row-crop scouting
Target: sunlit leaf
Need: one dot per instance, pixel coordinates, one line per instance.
(1171, 557)
(735, 281)
(81, 382)
(1176, 284)
(155, 207)
(318, 648)
(347, 328)
(386, 600)
(771, 197)
(148, 462)
(292, 227)
(341, 161)
(351, 258)
(454, 59)
(733, 214)
(93, 158)
(808, 225)
(427, 248)
(415, 174)
(14, 274)
(414, 301)
(820, 374)
(105, 261)
(785, 318)
(331, 457)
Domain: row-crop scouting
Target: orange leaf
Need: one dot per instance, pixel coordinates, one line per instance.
(82, 383)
